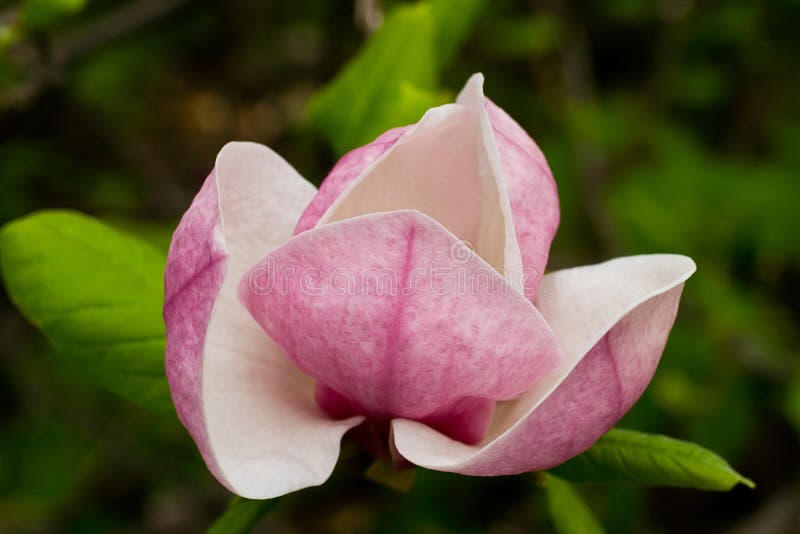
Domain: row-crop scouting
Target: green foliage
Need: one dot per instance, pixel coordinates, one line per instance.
(628, 456)
(241, 516)
(522, 37)
(8, 35)
(750, 201)
(568, 511)
(669, 126)
(394, 78)
(97, 295)
(452, 23)
(42, 464)
(793, 402)
(39, 14)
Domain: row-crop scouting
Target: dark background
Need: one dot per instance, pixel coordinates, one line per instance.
(670, 126)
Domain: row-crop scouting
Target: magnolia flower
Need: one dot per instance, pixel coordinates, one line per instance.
(404, 301)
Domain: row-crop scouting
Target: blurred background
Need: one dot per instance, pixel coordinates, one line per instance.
(670, 126)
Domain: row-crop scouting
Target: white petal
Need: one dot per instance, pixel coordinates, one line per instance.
(250, 411)
(612, 321)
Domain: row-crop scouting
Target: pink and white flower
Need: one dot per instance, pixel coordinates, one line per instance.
(404, 300)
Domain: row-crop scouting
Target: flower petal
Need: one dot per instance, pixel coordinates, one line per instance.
(250, 411)
(392, 312)
(524, 184)
(612, 321)
(347, 169)
(446, 166)
(531, 189)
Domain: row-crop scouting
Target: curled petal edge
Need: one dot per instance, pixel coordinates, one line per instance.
(566, 412)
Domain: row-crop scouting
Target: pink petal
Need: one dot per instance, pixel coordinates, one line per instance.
(446, 166)
(612, 321)
(250, 411)
(347, 169)
(524, 185)
(400, 319)
(528, 180)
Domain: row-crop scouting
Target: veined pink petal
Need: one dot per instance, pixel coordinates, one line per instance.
(250, 411)
(530, 186)
(517, 180)
(612, 321)
(396, 315)
(445, 166)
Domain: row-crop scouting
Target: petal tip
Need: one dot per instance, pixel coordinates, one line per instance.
(472, 90)
(239, 149)
(681, 267)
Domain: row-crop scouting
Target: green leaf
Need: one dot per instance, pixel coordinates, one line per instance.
(394, 78)
(96, 293)
(453, 21)
(241, 516)
(628, 456)
(404, 106)
(570, 514)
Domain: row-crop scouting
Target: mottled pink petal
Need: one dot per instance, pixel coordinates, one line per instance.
(347, 169)
(250, 411)
(612, 321)
(396, 315)
(524, 183)
(528, 180)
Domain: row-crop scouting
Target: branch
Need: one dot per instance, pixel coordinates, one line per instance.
(44, 62)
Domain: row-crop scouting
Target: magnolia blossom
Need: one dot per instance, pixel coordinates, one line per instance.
(404, 301)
